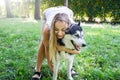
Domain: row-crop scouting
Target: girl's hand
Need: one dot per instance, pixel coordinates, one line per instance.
(60, 48)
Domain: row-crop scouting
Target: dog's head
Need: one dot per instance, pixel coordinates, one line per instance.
(76, 36)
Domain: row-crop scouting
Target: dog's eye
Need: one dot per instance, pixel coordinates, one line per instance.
(77, 35)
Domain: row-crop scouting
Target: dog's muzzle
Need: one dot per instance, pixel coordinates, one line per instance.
(77, 47)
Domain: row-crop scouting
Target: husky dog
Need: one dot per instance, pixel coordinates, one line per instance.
(73, 39)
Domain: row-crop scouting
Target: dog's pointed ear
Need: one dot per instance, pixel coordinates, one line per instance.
(67, 32)
(79, 23)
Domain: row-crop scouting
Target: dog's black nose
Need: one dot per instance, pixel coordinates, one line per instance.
(83, 45)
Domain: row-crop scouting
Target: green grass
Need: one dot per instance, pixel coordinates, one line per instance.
(19, 41)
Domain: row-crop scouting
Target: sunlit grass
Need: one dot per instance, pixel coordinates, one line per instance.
(100, 59)
(18, 46)
(19, 41)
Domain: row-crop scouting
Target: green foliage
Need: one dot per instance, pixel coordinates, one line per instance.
(102, 9)
(105, 10)
(50, 3)
(19, 41)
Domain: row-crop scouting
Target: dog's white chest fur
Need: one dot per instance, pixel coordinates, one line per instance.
(68, 44)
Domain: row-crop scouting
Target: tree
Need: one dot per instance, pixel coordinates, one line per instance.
(8, 9)
(37, 10)
(66, 3)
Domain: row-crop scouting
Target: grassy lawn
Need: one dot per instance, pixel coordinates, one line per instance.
(19, 41)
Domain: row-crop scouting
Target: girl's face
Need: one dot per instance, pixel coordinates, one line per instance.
(60, 27)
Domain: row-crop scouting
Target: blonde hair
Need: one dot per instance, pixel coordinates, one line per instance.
(53, 39)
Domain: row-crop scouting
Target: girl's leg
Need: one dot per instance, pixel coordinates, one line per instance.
(41, 53)
(40, 58)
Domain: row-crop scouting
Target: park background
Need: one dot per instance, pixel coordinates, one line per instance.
(20, 35)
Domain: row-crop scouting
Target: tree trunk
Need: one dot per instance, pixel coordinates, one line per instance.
(37, 10)
(66, 3)
(8, 9)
